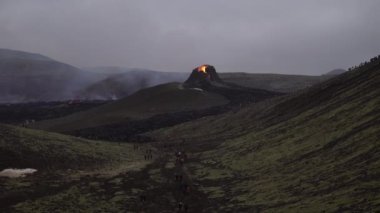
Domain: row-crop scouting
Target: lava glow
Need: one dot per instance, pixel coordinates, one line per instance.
(202, 69)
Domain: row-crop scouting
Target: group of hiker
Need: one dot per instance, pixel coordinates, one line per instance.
(183, 186)
(181, 157)
(179, 177)
(28, 123)
(135, 146)
(148, 154)
(183, 206)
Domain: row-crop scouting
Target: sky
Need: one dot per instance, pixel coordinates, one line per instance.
(259, 36)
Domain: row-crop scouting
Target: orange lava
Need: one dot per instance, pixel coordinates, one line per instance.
(202, 69)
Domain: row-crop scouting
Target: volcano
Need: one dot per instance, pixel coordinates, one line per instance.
(206, 78)
(202, 77)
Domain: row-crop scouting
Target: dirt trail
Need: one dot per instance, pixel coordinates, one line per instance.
(156, 184)
(164, 191)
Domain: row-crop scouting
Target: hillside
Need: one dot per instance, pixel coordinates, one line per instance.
(29, 77)
(318, 149)
(26, 148)
(140, 105)
(68, 171)
(336, 72)
(20, 55)
(273, 82)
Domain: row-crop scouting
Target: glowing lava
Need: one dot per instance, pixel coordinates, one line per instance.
(202, 69)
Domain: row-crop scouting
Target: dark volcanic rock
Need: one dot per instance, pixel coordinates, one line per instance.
(202, 77)
(205, 77)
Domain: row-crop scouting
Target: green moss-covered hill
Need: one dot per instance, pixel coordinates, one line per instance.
(27, 148)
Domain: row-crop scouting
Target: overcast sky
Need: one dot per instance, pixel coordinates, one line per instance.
(277, 36)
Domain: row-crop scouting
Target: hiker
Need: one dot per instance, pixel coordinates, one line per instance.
(26, 123)
(176, 176)
(185, 207)
(180, 205)
(185, 188)
(178, 154)
(182, 186)
(188, 190)
(182, 161)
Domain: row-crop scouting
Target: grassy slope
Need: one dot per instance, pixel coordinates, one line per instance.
(103, 183)
(273, 82)
(143, 104)
(314, 151)
(21, 148)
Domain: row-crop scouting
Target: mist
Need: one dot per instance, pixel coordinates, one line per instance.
(288, 37)
(127, 82)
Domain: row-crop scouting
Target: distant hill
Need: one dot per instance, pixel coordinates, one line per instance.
(30, 77)
(336, 72)
(126, 82)
(19, 113)
(315, 149)
(201, 92)
(273, 82)
(7, 54)
(161, 99)
(108, 69)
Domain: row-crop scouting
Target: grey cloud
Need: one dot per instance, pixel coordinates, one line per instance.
(290, 36)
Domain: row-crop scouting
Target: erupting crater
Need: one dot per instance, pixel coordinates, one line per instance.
(202, 76)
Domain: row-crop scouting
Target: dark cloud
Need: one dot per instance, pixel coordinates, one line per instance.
(290, 36)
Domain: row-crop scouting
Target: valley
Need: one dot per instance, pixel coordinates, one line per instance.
(189, 106)
(167, 147)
